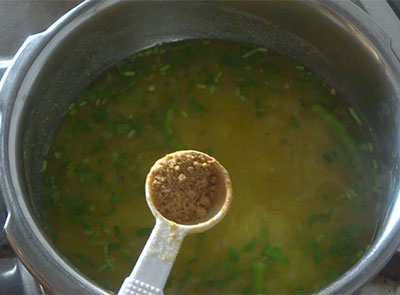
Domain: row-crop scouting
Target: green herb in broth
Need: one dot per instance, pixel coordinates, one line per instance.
(293, 154)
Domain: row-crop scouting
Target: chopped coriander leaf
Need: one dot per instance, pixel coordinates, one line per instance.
(165, 68)
(72, 106)
(322, 218)
(44, 165)
(258, 277)
(201, 86)
(108, 265)
(250, 53)
(300, 226)
(186, 280)
(276, 254)
(316, 251)
(284, 141)
(254, 51)
(81, 258)
(131, 133)
(333, 274)
(117, 230)
(375, 164)
(188, 263)
(259, 105)
(173, 142)
(123, 128)
(143, 232)
(129, 73)
(210, 80)
(294, 122)
(113, 246)
(116, 198)
(367, 147)
(264, 233)
(247, 290)
(109, 211)
(168, 284)
(99, 115)
(250, 246)
(299, 288)
(245, 82)
(229, 277)
(217, 77)
(349, 194)
(233, 255)
(197, 106)
(337, 127)
(328, 158)
(355, 116)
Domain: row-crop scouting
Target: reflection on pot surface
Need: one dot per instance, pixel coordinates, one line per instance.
(301, 161)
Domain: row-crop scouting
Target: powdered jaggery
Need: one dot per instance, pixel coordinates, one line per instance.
(185, 186)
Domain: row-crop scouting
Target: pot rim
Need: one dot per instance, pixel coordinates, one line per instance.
(20, 225)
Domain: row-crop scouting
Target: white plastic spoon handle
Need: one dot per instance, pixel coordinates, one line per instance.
(152, 269)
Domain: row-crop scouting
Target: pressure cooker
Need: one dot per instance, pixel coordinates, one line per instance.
(355, 45)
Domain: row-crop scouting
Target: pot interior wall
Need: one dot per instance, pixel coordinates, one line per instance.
(309, 33)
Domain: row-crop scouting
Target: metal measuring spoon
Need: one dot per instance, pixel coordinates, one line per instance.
(155, 262)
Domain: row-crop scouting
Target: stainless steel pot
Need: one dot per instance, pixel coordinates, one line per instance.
(337, 39)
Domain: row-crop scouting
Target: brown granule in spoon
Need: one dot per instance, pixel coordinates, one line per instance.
(187, 186)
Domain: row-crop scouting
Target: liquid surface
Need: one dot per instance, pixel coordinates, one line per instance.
(301, 211)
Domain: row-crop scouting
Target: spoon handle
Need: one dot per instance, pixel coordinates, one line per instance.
(152, 269)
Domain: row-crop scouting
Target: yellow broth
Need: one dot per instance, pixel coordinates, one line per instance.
(302, 206)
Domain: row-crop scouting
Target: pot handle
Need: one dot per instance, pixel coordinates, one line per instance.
(4, 64)
(387, 15)
(392, 268)
(14, 277)
(5, 249)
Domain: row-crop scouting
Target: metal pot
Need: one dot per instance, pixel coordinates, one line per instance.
(337, 39)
